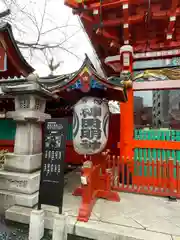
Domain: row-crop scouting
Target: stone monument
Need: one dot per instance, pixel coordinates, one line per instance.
(19, 180)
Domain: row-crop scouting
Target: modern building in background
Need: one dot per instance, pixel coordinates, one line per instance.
(174, 109)
(138, 103)
(164, 113)
(138, 106)
(160, 109)
(166, 108)
(174, 102)
(142, 113)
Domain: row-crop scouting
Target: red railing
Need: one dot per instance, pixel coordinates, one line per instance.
(154, 177)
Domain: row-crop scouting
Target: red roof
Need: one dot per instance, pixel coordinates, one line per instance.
(16, 64)
(146, 25)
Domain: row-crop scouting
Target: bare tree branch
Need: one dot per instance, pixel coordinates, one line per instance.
(41, 46)
(58, 28)
(36, 46)
(42, 21)
(71, 53)
(25, 18)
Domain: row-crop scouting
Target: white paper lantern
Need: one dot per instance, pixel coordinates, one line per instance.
(90, 125)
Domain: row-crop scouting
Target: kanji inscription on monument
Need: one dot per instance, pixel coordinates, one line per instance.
(52, 170)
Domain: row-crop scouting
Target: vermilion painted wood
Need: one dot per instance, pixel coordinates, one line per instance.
(161, 178)
(127, 126)
(99, 186)
(122, 19)
(155, 144)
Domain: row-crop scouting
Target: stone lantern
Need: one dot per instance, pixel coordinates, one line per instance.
(20, 178)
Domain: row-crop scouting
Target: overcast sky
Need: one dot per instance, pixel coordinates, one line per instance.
(57, 15)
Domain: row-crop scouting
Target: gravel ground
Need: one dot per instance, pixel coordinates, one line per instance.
(16, 231)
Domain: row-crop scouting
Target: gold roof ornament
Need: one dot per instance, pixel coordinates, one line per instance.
(171, 74)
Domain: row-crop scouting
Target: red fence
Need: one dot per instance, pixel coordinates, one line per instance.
(159, 178)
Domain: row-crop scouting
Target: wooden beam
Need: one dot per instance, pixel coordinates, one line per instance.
(71, 3)
(163, 14)
(125, 8)
(156, 85)
(119, 21)
(172, 21)
(106, 34)
(142, 56)
(86, 17)
(156, 46)
(112, 4)
(155, 144)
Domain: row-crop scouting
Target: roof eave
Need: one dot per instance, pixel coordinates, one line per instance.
(6, 27)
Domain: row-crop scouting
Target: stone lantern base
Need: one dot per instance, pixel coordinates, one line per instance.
(23, 163)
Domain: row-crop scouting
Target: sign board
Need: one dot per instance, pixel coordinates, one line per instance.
(52, 168)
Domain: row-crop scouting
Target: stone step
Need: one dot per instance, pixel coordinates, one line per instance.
(18, 214)
(9, 199)
(22, 215)
(92, 229)
(27, 183)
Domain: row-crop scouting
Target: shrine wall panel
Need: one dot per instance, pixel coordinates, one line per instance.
(7, 134)
(8, 129)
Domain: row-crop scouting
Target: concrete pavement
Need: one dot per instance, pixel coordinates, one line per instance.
(135, 217)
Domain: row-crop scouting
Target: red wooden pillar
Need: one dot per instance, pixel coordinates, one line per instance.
(127, 109)
(127, 126)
